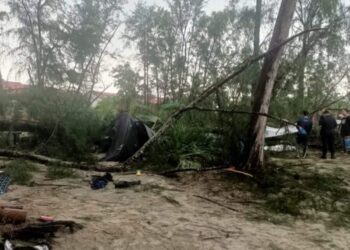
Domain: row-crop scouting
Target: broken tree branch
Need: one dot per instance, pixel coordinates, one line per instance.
(216, 202)
(100, 167)
(174, 171)
(330, 104)
(208, 91)
(233, 111)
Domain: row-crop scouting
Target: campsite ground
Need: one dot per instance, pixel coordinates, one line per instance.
(165, 213)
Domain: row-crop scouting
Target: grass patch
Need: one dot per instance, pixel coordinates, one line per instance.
(307, 193)
(57, 172)
(20, 171)
(292, 192)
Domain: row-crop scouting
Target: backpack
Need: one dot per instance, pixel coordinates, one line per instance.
(301, 131)
(304, 126)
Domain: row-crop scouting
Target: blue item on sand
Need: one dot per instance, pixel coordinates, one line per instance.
(4, 183)
(99, 182)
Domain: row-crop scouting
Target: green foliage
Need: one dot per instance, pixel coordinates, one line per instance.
(190, 143)
(4, 101)
(57, 172)
(68, 126)
(107, 109)
(299, 192)
(20, 172)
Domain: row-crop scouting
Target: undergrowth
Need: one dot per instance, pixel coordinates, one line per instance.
(308, 193)
(57, 172)
(20, 172)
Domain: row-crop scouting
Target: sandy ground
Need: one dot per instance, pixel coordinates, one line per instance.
(164, 214)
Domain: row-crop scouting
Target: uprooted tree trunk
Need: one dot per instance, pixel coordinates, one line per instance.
(208, 91)
(255, 159)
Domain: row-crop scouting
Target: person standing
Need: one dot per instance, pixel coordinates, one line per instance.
(328, 126)
(304, 126)
(344, 127)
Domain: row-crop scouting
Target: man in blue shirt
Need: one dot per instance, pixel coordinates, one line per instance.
(304, 126)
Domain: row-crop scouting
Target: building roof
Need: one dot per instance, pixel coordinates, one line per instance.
(8, 85)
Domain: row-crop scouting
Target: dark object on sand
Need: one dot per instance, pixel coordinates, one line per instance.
(39, 232)
(126, 184)
(98, 182)
(127, 135)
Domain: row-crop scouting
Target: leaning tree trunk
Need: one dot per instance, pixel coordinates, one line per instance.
(255, 159)
(257, 26)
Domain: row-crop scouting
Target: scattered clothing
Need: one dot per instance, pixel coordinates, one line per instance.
(99, 182)
(5, 181)
(8, 245)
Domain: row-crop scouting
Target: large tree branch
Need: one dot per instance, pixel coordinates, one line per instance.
(208, 91)
(233, 111)
(100, 167)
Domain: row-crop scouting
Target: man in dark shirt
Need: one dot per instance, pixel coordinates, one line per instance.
(328, 129)
(344, 126)
(304, 126)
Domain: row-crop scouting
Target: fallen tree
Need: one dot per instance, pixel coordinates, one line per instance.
(263, 91)
(210, 90)
(100, 166)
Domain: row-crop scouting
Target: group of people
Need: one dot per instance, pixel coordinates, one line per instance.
(328, 132)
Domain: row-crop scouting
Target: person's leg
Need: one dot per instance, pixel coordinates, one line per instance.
(324, 146)
(305, 146)
(331, 144)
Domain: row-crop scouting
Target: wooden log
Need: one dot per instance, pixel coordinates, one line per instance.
(99, 167)
(15, 216)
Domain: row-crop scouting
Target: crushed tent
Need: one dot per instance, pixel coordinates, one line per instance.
(127, 135)
(271, 132)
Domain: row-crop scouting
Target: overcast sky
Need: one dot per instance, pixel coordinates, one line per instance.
(7, 64)
(9, 70)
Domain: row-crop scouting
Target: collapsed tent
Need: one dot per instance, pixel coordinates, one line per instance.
(277, 132)
(127, 136)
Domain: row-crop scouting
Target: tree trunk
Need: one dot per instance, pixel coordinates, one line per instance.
(255, 159)
(301, 72)
(257, 25)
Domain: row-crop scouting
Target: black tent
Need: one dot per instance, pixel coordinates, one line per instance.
(127, 136)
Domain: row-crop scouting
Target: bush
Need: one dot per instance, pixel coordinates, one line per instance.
(20, 172)
(194, 141)
(55, 172)
(68, 126)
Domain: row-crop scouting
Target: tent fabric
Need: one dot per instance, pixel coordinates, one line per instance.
(127, 136)
(271, 132)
